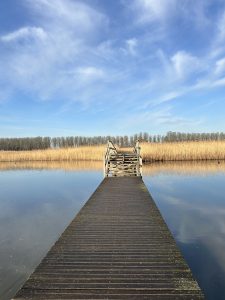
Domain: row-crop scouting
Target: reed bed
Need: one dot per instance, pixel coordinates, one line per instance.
(88, 153)
(150, 152)
(183, 151)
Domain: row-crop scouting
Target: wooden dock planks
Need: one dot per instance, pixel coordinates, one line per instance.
(117, 247)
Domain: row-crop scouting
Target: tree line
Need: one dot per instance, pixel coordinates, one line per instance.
(24, 144)
(39, 143)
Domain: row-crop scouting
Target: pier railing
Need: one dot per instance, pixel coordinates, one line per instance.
(119, 163)
(137, 150)
(111, 150)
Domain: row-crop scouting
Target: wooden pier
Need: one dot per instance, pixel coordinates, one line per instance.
(118, 163)
(117, 247)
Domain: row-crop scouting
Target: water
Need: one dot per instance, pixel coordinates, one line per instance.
(35, 207)
(38, 200)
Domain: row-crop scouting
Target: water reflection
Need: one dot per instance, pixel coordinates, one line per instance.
(186, 168)
(53, 165)
(39, 199)
(35, 207)
(191, 199)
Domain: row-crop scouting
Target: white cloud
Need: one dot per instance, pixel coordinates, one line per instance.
(89, 73)
(184, 64)
(220, 66)
(25, 33)
(221, 27)
(71, 14)
(177, 76)
(106, 50)
(168, 97)
(62, 39)
(170, 119)
(68, 47)
(166, 15)
(218, 82)
(151, 10)
(131, 45)
(163, 117)
(161, 11)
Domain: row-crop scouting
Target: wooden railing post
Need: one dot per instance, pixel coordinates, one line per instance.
(115, 165)
(111, 149)
(137, 150)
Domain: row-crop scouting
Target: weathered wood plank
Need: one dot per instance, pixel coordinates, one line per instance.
(117, 247)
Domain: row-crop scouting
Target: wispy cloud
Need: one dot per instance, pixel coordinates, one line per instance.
(159, 117)
(89, 74)
(153, 10)
(183, 73)
(220, 66)
(62, 38)
(131, 45)
(164, 11)
(184, 64)
(135, 61)
(76, 15)
(25, 33)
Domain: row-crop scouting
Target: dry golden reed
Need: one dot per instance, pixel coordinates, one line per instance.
(182, 151)
(93, 153)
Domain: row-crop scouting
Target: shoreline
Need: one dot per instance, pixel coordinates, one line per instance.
(145, 162)
(170, 167)
(150, 152)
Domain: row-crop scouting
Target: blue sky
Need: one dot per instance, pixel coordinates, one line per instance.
(99, 67)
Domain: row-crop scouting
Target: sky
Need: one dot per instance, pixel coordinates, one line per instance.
(111, 67)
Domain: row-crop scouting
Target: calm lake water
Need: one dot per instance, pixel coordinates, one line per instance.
(38, 200)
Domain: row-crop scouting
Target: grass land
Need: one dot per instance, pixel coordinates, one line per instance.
(179, 151)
